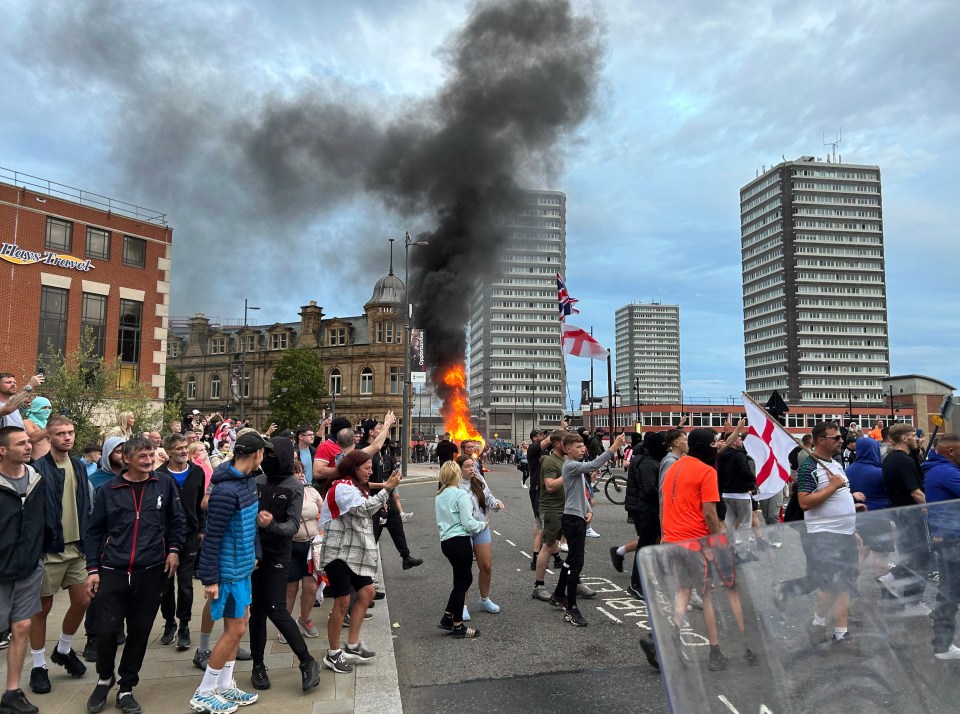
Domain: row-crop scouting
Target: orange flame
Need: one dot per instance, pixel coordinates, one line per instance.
(456, 407)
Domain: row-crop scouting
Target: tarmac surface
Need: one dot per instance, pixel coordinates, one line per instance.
(527, 658)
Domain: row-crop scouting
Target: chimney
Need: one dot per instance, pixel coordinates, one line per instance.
(310, 316)
(197, 342)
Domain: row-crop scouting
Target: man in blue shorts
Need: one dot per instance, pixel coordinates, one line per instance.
(229, 554)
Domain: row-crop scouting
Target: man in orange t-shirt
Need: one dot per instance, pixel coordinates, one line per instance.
(688, 516)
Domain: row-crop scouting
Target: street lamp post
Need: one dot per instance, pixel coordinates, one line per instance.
(405, 427)
(243, 355)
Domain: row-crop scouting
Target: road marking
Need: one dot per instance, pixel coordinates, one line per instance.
(510, 542)
(609, 615)
(525, 555)
(550, 571)
(497, 532)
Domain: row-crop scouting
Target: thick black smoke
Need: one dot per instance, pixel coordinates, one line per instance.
(253, 173)
(523, 78)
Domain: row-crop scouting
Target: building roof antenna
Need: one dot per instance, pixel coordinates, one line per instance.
(834, 144)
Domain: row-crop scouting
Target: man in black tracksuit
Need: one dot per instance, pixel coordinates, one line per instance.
(133, 541)
(177, 602)
(643, 497)
(389, 517)
(280, 494)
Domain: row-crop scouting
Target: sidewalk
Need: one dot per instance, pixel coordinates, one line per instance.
(168, 678)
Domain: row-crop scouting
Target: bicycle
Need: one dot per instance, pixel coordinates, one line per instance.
(615, 486)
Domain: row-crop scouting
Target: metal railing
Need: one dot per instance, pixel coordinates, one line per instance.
(84, 198)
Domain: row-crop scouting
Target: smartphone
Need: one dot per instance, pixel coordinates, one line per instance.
(41, 371)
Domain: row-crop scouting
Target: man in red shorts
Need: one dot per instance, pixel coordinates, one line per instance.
(688, 517)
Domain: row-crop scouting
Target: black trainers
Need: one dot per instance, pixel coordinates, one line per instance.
(366, 616)
(16, 702)
(69, 661)
(409, 562)
(309, 674)
(558, 602)
(649, 650)
(259, 678)
(5, 642)
(337, 663)
(557, 563)
(636, 592)
(379, 595)
(446, 622)
(717, 660)
(574, 617)
(39, 680)
(200, 659)
(359, 653)
(751, 657)
(127, 704)
(183, 638)
(169, 633)
(616, 559)
(98, 699)
(90, 649)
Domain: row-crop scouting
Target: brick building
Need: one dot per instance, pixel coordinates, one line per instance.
(362, 358)
(69, 260)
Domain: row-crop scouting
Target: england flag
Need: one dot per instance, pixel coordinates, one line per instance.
(580, 343)
(769, 445)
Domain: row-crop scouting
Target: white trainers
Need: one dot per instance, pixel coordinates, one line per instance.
(592, 533)
(406, 516)
(564, 548)
(916, 609)
(211, 703)
(953, 652)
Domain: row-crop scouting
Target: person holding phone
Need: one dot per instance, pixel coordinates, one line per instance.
(350, 553)
(391, 516)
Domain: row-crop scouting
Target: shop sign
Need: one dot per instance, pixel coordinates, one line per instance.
(12, 253)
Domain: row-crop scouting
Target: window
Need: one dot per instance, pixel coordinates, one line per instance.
(98, 243)
(134, 252)
(366, 381)
(53, 321)
(128, 340)
(338, 336)
(249, 343)
(59, 235)
(246, 385)
(94, 320)
(191, 387)
(395, 373)
(217, 345)
(215, 386)
(173, 348)
(389, 332)
(278, 341)
(336, 381)
(379, 332)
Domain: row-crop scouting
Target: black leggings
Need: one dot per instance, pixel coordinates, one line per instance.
(269, 587)
(459, 551)
(575, 531)
(394, 524)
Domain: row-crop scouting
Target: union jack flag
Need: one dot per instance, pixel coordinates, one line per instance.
(566, 303)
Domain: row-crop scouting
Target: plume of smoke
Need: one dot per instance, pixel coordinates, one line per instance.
(523, 77)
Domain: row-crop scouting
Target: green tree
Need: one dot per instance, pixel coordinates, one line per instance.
(173, 397)
(137, 397)
(298, 389)
(80, 385)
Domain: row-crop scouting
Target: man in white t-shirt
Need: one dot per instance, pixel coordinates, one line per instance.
(830, 518)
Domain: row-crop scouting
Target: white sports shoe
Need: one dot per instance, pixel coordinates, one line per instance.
(592, 533)
(953, 652)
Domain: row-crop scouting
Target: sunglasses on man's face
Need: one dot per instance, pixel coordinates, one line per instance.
(834, 438)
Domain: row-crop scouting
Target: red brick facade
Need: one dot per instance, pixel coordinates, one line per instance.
(26, 269)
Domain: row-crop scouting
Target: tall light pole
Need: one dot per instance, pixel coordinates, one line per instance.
(407, 323)
(243, 354)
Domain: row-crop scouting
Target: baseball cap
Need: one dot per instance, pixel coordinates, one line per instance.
(196, 411)
(535, 432)
(250, 443)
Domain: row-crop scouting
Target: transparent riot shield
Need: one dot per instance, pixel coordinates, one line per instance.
(902, 586)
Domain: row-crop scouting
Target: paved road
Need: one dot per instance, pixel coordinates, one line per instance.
(527, 658)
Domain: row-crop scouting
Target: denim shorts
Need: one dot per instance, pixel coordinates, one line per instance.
(482, 537)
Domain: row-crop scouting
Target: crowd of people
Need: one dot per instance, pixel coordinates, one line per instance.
(126, 526)
(269, 522)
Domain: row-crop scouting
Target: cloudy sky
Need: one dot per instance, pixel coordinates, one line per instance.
(174, 106)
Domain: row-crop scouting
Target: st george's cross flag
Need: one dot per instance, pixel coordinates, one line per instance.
(580, 343)
(565, 302)
(769, 445)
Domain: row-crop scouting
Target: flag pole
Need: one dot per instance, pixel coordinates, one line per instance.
(591, 386)
(609, 394)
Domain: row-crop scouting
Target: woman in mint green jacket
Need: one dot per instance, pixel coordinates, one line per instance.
(454, 509)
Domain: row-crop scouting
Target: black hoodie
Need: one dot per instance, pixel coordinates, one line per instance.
(280, 492)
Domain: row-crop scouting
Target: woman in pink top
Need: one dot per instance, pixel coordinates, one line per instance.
(197, 453)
